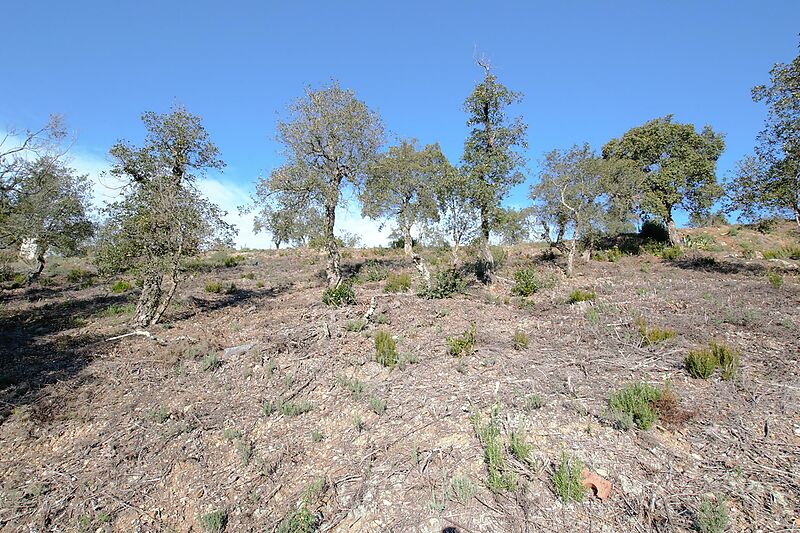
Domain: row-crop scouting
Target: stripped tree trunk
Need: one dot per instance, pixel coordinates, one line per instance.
(486, 259)
(408, 241)
(333, 269)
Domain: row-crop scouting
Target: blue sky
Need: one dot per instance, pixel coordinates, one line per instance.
(589, 70)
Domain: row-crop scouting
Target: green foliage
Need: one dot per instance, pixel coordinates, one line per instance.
(462, 488)
(702, 363)
(567, 481)
(463, 344)
(213, 522)
(233, 261)
(579, 295)
(316, 436)
(679, 165)
(701, 242)
(635, 403)
(230, 434)
(786, 252)
(288, 408)
(377, 405)
(398, 186)
(373, 271)
(385, 349)
(444, 284)
(398, 283)
(120, 286)
(519, 448)
(671, 253)
(80, 276)
(775, 279)
(712, 516)
(357, 388)
(330, 139)
(119, 309)
(355, 325)
(652, 335)
(358, 423)
(210, 362)
(520, 340)
(339, 296)
(654, 231)
(301, 520)
(500, 477)
(526, 282)
(533, 402)
(214, 287)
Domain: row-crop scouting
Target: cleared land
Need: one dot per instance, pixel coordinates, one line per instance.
(300, 424)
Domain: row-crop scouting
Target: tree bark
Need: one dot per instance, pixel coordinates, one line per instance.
(40, 264)
(149, 300)
(672, 230)
(408, 241)
(573, 246)
(486, 259)
(333, 269)
(165, 299)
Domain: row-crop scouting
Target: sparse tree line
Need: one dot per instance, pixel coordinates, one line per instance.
(333, 144)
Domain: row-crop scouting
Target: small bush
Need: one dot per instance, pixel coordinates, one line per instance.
(775, 279)
(654, 231)
(119, 309)
(671, 253)
(653, 335)
(214, 287)
(233, 261)
(385, 349)
(500, 477)
(444, 284)
(579, 295)
(520, 340)
(301, 520)
(787, 252)
(372, 271)
(463, 344)
(213, 522)
(567, 481)
(316, 436)
(520, 449)
(526, 282)
(712, 516)
(377, 405)
(356, 387)
(634, 403)
(210, 362)
(398, 283)
(292, 409)
(701, 364)
(533, 402)
(339, 296)
(355, 325)
(231, 289)
(358, 423)
(462, 488)
(76, 275)
(120, 286)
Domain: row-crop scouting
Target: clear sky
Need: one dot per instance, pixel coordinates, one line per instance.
(589, 70)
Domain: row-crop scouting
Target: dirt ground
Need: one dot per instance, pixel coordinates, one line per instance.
(154, 434)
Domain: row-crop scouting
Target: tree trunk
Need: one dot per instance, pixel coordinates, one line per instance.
(278, 244)
(422, 268)
(486, 259)
(40, 263)
(333, 269)
(149, 300)
(573, 246)
(454, 255)
(408, 242)
(672, 229)
(797, 217)
(166, 298)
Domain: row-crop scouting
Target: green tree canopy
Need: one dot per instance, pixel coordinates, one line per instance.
(162, 216)
(329, 139)
(769, 181)
(491, 162)
(400, 185)
(679, 166)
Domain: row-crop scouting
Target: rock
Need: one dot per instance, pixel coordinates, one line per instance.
(238, 350)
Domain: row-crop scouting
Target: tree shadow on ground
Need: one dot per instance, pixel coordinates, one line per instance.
(711, 264)
(231, 300)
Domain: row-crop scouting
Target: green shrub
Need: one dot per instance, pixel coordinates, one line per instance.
(339, 296)
(579, 295)
(463, 344)
(654, 231)
(653, 335)
(119, 309)
(634, 403)
(787, 252)
(210, 362)
(377, 405)
(567, 479)
(316, 436)
(671, 253)
(462, 488)
(701, 364)
(355, 325)
(385, 349)
(301, 520)
(775, 279)
(444, 284)
(231, 289)
(233, 261)
(372, 271)
(292, 409)
(526, 282)
(213, 522)
(533, 402)
(500, 477)
(214, 287)
(520, 340)
(120, 286)
(356, 387)
(712, 516)
(398, 283)
(519, 448)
